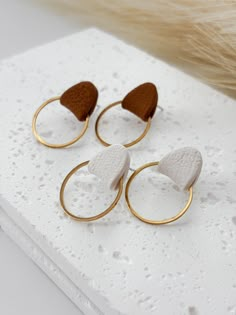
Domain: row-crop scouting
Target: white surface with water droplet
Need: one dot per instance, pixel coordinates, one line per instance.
(119, 264)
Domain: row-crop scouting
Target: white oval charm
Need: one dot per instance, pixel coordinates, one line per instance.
(110, 165)
(183, 166)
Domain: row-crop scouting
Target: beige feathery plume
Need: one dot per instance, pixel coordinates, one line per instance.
(197, 35)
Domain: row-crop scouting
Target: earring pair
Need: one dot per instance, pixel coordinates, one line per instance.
(112, 164)
(81, 100)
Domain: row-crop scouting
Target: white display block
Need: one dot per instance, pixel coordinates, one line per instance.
(119, 265)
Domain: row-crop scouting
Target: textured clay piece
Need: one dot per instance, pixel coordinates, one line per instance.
(142, 101)
(183, 166)
(110, 165)
(80, 99)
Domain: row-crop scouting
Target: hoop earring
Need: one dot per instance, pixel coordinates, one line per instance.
(183, 166)
(110, 165)
(142, 102)
(81, 100)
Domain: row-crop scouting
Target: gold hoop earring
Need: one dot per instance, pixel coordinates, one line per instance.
(81, 100)
(183, 166)
(111, 166)
(141, 101)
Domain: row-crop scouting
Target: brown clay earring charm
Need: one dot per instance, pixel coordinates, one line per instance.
(142, 102)
(81, 100)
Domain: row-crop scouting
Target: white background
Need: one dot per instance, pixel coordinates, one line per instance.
(187, 268)
(24, 289)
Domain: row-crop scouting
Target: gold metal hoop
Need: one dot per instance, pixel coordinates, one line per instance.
(155, 222)
(95, 217)
(148, 125)
(50, 145)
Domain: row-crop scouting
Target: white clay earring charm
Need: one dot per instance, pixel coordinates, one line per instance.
(183, 166)
(110, 165)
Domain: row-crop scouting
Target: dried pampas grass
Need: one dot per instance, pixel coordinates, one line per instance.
(198, 36)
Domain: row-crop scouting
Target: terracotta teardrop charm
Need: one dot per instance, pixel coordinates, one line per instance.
(142, 101)
(80, 99)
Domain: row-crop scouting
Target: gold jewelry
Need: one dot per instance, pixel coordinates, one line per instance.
(141, 101)
(50, 145)
(92, 218)
(111, 166)
(154, 222)
(81, 100)
(106, 144)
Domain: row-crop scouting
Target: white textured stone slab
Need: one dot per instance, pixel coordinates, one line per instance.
(110, 165)
(45, 263)
(183, 166)
(120, 264)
